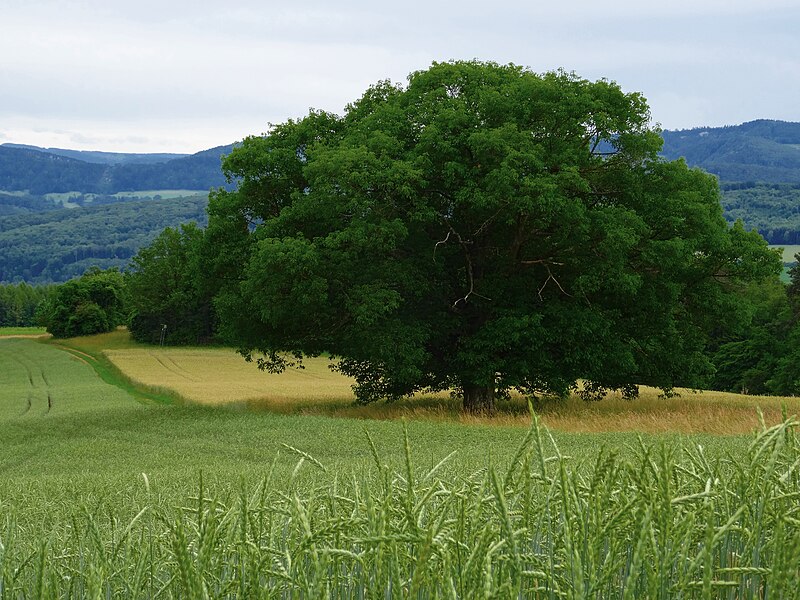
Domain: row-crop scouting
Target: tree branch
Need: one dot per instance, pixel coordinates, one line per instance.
(444, 241)
(470, 272)
(546, 281)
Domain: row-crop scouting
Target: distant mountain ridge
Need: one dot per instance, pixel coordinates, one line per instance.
(42, 172)
(757, 151)
(43, 240)
(104, 158)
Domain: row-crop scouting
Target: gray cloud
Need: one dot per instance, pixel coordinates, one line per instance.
(184, 75)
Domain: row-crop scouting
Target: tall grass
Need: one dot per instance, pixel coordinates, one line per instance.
(665, 522)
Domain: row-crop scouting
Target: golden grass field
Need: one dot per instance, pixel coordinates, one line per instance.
(221, 376)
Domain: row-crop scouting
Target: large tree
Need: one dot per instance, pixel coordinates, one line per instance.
(481, 229)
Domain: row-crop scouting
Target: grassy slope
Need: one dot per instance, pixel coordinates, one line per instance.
(98, 438)
(83, 470)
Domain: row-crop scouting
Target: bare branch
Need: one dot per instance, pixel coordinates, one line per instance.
(487, 221)
(546, 281)
(470, 272)
(444, 241)
(541, 261)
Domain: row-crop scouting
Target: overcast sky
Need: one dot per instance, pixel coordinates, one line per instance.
(185, 75)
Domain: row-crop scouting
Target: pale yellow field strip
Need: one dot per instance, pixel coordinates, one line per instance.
(220, 376)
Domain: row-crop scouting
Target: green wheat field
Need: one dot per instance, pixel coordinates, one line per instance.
(106, 492)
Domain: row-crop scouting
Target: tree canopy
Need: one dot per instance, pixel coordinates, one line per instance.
(91, 303)
(481, 229)
(164, 288)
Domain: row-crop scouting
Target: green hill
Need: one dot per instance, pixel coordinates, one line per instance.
(103, 158)
(758, 164)
(758, 151)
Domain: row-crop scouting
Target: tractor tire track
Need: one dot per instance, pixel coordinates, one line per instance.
(172, 370)
(184, 370)
(28, 404)
(28, 370)
(34, 387)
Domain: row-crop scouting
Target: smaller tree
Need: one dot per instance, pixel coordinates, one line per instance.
(793, 290)
(786, 380)
(764, 358)
(92, 303)
(165, 287)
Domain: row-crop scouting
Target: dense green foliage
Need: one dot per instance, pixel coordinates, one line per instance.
(771, 208)
(165, 287)
(91, 303)
(18, 303)
(15, 204)
(764, 357)
(40, 173)
(467, 232)
(57, 245)
(225, 511)
(760, 150)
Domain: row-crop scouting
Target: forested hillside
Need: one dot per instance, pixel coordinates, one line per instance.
(758, 151)
(38, 173)
(758, 164)
(56, 245)
(15, 204)
(773, 209)
(63, 211)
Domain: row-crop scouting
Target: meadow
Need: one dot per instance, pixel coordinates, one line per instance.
(219, 376)
(22, 331)
(115, 491)
(788, 252)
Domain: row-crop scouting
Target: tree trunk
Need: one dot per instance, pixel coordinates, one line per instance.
(478, 399)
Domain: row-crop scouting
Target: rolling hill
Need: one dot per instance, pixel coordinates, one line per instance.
(38, 172)
(103, 158)
(758, 164)
(757, 151)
